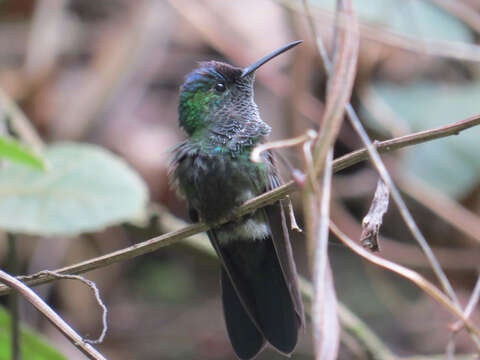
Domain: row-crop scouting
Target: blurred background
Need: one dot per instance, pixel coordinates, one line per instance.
(107, 72)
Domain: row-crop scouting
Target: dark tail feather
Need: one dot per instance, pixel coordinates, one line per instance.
(260, 286)
(246, 340)
(276, 313)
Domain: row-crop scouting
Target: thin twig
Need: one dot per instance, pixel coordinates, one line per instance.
(472, 303)
(96, 293)
(407, 254)
(407, 140)
(251, 205)
(281, 144)
(325, 304)
(402, 207)
(341, 76)
(116, 256)
(309, 166)
(405, 213)
(453, 213)
(326, 329)
(13, 299)
(51, 315)
(409, 274)
(439, 203)
(458, 325)
(19, 122)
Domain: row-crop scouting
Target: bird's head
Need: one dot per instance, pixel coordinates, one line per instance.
(216, 90)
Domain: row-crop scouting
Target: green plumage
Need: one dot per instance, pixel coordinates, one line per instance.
(213, 171)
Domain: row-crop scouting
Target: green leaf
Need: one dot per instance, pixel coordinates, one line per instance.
(33, 346)
(16, 152)
(86, 189)
(451, 164)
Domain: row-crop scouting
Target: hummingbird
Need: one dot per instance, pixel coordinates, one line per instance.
(213, 171)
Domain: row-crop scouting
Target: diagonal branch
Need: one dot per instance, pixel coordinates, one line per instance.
(395, 193)
(51, 315)
(258, 202)
(411, 275)
(341, 77)
(316, 200)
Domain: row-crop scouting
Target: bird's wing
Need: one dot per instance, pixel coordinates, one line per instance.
(281, 241)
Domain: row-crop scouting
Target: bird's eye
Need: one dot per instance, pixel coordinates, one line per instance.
(220, 87)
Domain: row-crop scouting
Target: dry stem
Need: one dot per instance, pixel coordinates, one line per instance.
(251, 205)
(51, 315)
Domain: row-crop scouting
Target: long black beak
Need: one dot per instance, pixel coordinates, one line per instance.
(256, 65)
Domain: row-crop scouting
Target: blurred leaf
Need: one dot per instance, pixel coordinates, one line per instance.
(86, 189)
(33, 347)
(450, 164)
(419, 19)
(16, 152)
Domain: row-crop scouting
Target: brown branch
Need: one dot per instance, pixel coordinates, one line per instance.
(407, 140)
(472, 303)
(340, 81)
(51, 315)
(316, 200)
(13, 302)
(386, 178)
(411, 275)
(446, 208)
(249, 206)
(96, 294)
(402, 207)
